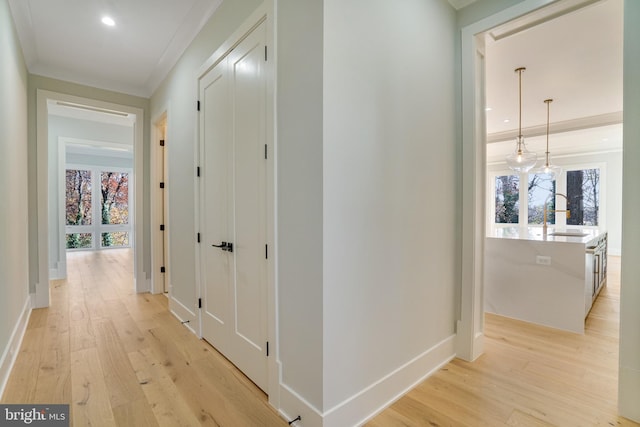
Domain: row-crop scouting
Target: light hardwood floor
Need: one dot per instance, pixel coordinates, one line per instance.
(529, 375)
(121, 359)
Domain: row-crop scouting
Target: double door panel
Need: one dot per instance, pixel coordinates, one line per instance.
(234, 269)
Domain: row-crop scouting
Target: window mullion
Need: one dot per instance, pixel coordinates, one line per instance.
(96, 181)
(523, 213)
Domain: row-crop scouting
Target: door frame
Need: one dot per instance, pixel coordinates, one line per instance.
(41, 297)
(470, 331)
(264, 13)
(470, 338)
(159, 204)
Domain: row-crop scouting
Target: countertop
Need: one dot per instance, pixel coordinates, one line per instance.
(535, 234)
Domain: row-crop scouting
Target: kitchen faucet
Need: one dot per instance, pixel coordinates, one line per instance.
(546, 211)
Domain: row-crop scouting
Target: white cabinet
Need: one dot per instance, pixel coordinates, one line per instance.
(595, 269)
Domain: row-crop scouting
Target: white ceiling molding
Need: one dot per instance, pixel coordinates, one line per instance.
(540, 16)
(199, 15)
(24, 27)
(67, 41)
(598, 140)
(459, 4)
(559, 127)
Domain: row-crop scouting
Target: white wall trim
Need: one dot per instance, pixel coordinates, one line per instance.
(42, 164)
(10, 353)
(364, 405)
(293, 405)
(184, 315)
(370, 401)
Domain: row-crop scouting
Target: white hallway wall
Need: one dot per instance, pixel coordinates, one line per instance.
(629, 374)
(390, 188)
(14, 272)
(366, 257)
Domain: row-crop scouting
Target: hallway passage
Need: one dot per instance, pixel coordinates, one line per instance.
(121, 359)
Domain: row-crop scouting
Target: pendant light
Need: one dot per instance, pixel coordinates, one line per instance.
(521, 159)
(549, 168)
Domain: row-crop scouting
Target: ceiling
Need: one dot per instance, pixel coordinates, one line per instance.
(572, 51)
(66, 39)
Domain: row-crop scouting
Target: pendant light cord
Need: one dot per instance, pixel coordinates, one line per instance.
(548, 102)
(519, 71)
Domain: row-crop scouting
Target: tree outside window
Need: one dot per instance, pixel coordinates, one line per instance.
(78, 206)
(507, 199)
(112, 188)
(582, 191)
(114, 200)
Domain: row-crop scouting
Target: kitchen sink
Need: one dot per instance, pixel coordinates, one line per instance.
(569, 233)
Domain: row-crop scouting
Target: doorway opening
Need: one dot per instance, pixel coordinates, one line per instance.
(95, 149)
(477, 198)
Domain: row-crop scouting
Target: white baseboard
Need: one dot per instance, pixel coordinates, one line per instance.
(186, 316)
(293, 405)
(10, 353)
(370, 401)
(143, 285)
(628, 391)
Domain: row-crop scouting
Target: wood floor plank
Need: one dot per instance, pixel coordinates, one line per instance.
(121, 380)
(22, 384)
(91, 405)
(54, 374)
(136, 413)
(81, 332)
(166, 401)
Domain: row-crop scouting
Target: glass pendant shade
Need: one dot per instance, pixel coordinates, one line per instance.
(549, 168)
(521, 159)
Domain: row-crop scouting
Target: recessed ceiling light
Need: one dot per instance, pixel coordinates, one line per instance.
(506, 120)
(107, 20)
(488, 109)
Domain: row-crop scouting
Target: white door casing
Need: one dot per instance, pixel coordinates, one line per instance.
(234, 209)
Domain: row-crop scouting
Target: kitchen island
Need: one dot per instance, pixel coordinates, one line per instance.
(549, 279)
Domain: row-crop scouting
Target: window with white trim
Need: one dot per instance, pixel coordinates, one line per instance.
(512, 203)
(105, 224)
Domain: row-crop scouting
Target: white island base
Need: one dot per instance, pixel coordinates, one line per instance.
(546, 280)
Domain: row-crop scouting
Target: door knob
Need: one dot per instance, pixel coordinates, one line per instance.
(225, 246)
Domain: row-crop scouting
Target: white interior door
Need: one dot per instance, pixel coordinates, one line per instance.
(233, 132)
